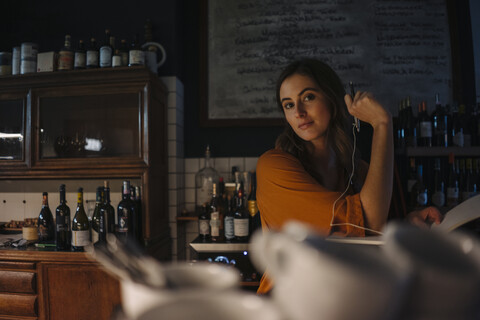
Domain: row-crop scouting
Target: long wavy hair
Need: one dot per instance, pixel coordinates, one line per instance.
(339, 131)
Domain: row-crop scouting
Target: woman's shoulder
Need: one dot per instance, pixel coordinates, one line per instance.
(275, 158)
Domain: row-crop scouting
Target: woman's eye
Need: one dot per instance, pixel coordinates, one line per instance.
(288, 105)
(309, 97)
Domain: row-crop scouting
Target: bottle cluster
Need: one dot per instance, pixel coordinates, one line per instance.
(446, 126)
(232, 214)
(84, 54)
(74, 234)
(442, 182)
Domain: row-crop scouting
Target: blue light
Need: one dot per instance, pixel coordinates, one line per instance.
(245, 253)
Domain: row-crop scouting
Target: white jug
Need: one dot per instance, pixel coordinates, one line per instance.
(154, 59)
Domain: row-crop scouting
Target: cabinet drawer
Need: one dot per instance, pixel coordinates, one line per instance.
(18, 305)
(17, 282)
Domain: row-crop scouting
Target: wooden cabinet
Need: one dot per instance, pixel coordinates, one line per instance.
(91, 124)
(55, 285)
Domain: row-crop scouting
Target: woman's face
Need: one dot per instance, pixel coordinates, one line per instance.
(305, 107)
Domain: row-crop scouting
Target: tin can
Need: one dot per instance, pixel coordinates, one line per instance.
(28, 57)
(16, 60)
(5, 63)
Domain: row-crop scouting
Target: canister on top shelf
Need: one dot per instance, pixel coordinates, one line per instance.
(28, 57)
(16, 60)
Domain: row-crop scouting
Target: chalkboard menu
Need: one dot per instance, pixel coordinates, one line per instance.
(394, 48)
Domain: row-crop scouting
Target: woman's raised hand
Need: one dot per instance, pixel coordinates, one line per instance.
(366, 108)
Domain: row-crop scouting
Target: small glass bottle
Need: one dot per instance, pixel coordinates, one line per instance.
(80, 60)
(92, 54)
(204, 180)
(241, 217)
(106, 52)
(136, 56)
(80, 225)
(123, 50)
(65, 56)
(46, 226)
(204, 224)
(97, 227)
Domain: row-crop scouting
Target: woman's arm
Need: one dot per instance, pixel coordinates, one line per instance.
(376, 192)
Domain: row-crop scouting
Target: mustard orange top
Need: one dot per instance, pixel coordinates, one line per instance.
(286, 191)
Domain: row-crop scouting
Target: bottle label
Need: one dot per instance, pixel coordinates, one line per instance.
(105, 57)
(204, 227)
(136, 57)
(458, 139)
(42, 232)
(204, 192)
(80, 60)
(65, 60)
(122, 224)
(92, 58)
(240, 227)
(438, 199)
(80, 238)
(116, 61)
(425, 129)
(215, 228)
(229, 228)
(422, 199)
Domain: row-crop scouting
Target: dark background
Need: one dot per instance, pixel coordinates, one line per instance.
(176, 25)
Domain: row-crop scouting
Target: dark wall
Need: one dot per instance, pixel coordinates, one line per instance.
(176, 27)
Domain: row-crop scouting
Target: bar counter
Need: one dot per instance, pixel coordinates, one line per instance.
(41, 283)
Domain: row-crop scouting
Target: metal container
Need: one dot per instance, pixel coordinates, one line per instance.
(5, 63)
(28, 57)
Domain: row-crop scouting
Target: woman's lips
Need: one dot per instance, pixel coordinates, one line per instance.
(305, 125)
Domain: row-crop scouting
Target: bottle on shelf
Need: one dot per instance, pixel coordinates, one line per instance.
(46, 225)
(228, 221)
(92, 54)
(123, 50)
(80, 58)
(80, 225)
(204, 223)
(116, 59)
(97, 235)
(425, 125)
(457, 133)
(462, 179)
(136, 216)
(252, 206)
(107, 211)
(241, 217)
(204, 180)
(452, 186)
(439, 124)
(138, 212)
(471, 188)
(136, 56)
(106, 52)
(410, 125)
(65, 55)
(217, 210)
(420, 189)
(438, 196)
(126, 215)
(63, 235)
(400, 137)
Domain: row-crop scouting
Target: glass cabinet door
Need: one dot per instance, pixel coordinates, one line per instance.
(90, 125)
(12, 129)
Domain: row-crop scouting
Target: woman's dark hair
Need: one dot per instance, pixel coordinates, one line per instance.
(339, 130)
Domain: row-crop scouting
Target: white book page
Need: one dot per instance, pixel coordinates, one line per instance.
(465, 212)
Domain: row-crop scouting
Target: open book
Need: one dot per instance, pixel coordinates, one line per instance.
(465, 212)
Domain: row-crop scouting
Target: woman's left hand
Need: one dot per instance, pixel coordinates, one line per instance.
(425, 217)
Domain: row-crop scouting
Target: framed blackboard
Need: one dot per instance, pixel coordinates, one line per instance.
(394, 48)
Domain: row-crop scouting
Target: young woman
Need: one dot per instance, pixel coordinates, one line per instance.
(314, 174)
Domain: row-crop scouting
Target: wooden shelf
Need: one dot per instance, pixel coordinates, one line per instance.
(187, 218)
(439, 151)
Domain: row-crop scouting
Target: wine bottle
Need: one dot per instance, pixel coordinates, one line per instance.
(204, 224)
(216, 209)
(470, 189)
(204, 180)
(457, 127)
(252, 206)
(92, 54)
(138, 212)
(63, 234)
(420, 189)
(228, 221)
(46, 226)
(97, 221)
(410, 125)
(65, 56)
(80, 225)
(439, 124)
(123, 50)
(452, 186)
(116, 59)
(106, 52)
(80, 60)
(125, 211)
(425, 126)
(136, 56)
(107, 212)
(241, 217)
(438, 196)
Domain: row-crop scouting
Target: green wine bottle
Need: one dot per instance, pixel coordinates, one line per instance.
(96, 218)
(46, 225)
(80, 225)
(107, 212)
